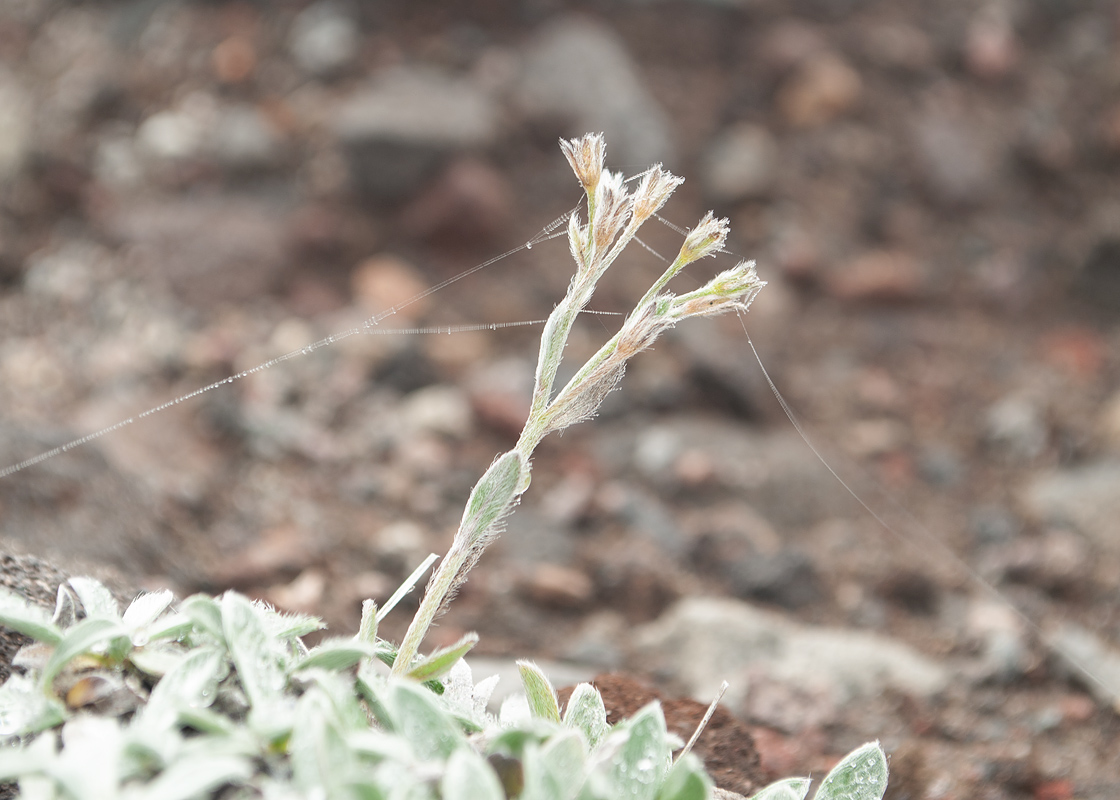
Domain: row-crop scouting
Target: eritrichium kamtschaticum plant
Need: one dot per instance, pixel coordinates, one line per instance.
(221, 697)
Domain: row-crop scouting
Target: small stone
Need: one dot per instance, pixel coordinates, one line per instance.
(502, 392)
(276, 551)
(1015, 429)
(1000, 631)
(401, 128)
(1082, 651)
(740, 164)
(822, 89)
(993, 525)
(577, 75)
(16, 120)
(879, 275)
(178, 133)
(324, 40)
(991, 49)
(1108, 422)
(554, 586)
(1083, 497)
(304, 595)
(1078, 351)
(700, 642)
(470, 203)
(242, 138)
(598, 642)
(386, 283)
(787, 579)
(438, 409)
(899, 45)
(234, 59)
(959, 166)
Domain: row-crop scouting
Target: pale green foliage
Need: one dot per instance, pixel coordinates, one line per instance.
(239, 703)
(222, 696)
(860, 775)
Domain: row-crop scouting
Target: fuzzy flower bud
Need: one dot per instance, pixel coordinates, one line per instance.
(653, 192)
(732, 289)
(705, 239)
(585, 154)
(612, 209)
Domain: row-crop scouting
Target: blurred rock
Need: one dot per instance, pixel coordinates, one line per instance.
(1082, 651)
(1085, 497)
(502, 392)
(740, 164)
(993, 524)
(324, 40)
(991, 49)
(234, 59)
(879, 275)
(385, 283)
(179, 133)
(1097, 283)
(774, 472)
(439, 409)
(823, 88)
(16, 119)
(1002, 635)
(404, 125)
(700, 642)
(33, 579)
(958, 166)
(577, 76)
(557, 587)
(787, 578)
(898, 45)
(210, 249)
(276, 553)
(1015, 429)
(243, 139)
(1058, 561)
(637, 580)
(304, 595)
(599, 641)
(1108, 422)
(471, 203)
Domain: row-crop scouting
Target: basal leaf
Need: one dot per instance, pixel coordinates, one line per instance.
(686, 780)
(585, 711)
(96, 599)
(145, 609)
(861, 775)
(789, 789)
(440, 662)
(337, 654)
(24, 617)
(468, 777)
(253, 651)
(83, 637)
(539, 692)
(422, 721)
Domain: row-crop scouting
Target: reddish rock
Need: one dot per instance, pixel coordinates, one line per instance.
(823, 89)
(878, 275)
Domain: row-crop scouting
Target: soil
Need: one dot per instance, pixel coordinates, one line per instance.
(936, 212)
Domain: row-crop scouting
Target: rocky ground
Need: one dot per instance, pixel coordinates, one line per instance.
(190, 189)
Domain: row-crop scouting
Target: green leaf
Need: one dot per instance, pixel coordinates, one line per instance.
(27, 618)
(172, 626)
(643, 758)
(422, 721)
(337, 654)
(89, 765)
(441, 661)
(80, 639)
(157, 661)
(191, 683)
(860, 775)
(199, 776)
(585, 712)
(367, 631)
(468, 777)
(788, 789)
(253, 652)
(686, 781)
(279, 625)
(539, 692)
(25, 710)
(145, 609)
(561, 763)
(406, 587)
(205, 614)
(96, 599)
(493, 496)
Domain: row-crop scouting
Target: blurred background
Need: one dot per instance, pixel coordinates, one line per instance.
(189, 189)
